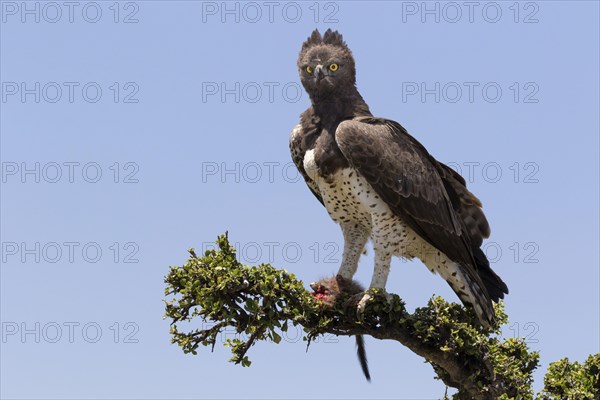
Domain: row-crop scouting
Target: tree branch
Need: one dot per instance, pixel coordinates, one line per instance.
(259, 301)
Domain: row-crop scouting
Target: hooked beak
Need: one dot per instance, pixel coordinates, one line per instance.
(319, 74)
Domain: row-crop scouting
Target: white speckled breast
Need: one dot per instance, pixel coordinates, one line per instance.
(347, 195)
(349, 198)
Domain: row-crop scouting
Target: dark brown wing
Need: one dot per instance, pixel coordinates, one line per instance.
(466, 205)
(476, 226)
(406, 177)
(298, 150)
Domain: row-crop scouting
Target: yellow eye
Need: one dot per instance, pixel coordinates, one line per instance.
(309, 69)
(333, 67)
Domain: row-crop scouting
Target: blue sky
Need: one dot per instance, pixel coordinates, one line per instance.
(132, 131)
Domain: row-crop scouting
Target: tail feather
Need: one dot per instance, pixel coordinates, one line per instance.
(476, 297)
(494, 285)
(479, 293)
(362, 356)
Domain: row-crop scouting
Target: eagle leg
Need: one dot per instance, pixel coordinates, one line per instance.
(383, 259)
(355, 238)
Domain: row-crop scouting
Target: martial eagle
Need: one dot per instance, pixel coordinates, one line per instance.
(377, 181)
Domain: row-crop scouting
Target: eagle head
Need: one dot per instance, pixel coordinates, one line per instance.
(326, 65)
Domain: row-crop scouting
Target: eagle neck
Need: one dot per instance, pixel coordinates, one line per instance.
(338, 107)
(325, 115)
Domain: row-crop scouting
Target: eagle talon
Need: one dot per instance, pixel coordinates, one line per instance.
(367, 297)
(360, 308)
